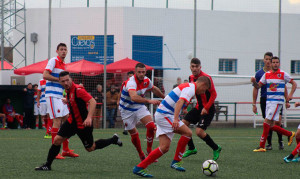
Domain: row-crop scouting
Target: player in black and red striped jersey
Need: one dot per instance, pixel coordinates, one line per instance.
(79, 122)
(203, 113)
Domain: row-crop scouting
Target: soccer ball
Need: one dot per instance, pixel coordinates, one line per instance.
(210, 167)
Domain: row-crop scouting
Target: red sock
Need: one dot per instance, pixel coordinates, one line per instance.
(181, 145)
(137, 143)
(264, 136)
(297, 140)
(296, 150)
(151, 128)
(281, 130)
(54, 132)
(37, 125)
(154, 155)
(66, 145)
(50, 124)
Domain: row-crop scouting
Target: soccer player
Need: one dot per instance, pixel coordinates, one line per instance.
(129, 74)
(36, 107)
(54, 93)
(168, 123)
(42, 105)
(290, 158)
(275, 80)
(263, 99)
(80, 121)
(133, 109)
(203, 113)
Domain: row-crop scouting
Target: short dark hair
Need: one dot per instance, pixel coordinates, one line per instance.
(205, 80)
(61, 45)
(29, 84)
(275, 57)
(140, 65)
(34, 85)
(130, 72)
(63, 73)
(196, 61)
(270, 54)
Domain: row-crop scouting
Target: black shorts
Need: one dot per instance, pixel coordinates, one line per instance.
(202, 121)
(263, 104)
(86, 135)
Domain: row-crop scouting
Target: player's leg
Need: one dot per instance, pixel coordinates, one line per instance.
(278, 129)
(130, 124)
(65, 131)
(151, 128)
(290, 158)
(192, 117)
(263, 101)
(279, 123)
(87, 139)
(186, 135)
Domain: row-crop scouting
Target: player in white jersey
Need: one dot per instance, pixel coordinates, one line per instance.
(168, 123)
(42, 105)
(275, 80)
(133, 109)
(58, 111)
(36, 110)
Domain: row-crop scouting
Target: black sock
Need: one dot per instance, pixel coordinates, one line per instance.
(101, 143)
(279, 136)
(291, 156)
(210, 142)
(191, 144)
(269, 139)
(53, 151)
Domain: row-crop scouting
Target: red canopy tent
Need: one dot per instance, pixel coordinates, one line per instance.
(85, 68)
(6, 66)
(123, 66)
(38, 67)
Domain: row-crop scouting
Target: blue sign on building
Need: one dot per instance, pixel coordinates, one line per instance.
(91, 48)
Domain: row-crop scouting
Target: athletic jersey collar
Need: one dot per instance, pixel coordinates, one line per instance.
(200, 74)
(137, 80)
(59, 59)
(71, 88)
(278, 71)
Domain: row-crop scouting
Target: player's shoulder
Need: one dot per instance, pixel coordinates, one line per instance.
(52, 60)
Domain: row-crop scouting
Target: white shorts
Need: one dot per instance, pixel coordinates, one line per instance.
(43, 109)
(56, 108)
(131, 121)
(272, 111)
(164, 124)
(36, 110)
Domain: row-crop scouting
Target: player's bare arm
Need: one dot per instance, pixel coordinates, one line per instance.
(92, 106)
(138, 99)
(177, 110)
(254, 98)
(48, 76)
(294, 87)
(38, 98)
(287, 104)
(157, 92)
(255, 84)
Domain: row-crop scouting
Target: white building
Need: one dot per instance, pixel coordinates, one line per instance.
(239, 36)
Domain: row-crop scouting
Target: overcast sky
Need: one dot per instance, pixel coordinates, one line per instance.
(288, 6)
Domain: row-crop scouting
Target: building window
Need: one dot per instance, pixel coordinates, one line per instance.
(295, 67)
(259, 64)
(227, 66)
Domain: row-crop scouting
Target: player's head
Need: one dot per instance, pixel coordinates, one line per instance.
(203, 83)
(65, 80)
(35, 86)
(140, 71)
(275, 63)
(179, 81)
(62, 50)
(7, 101)
(195, 66)
(267, 59)
(130, 74)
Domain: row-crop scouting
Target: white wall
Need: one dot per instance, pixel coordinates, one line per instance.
(220, 34)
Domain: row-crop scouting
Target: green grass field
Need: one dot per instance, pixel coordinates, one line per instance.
(22, 150)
